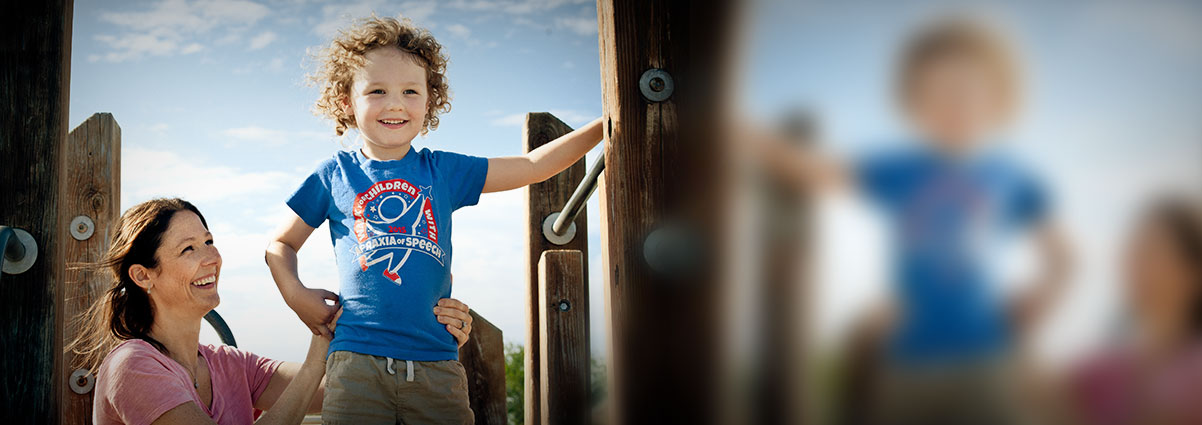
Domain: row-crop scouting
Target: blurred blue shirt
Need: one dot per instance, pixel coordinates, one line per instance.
(947, 214)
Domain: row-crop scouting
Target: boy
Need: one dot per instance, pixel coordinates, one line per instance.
(946, 198)
(389, 209)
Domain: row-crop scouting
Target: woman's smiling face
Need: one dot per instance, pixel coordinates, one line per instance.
(188, 266)
(389, 100)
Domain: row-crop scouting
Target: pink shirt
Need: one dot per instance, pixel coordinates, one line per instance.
(136, 384)
(1114, 388)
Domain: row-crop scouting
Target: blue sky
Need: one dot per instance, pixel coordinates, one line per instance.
(211, 99)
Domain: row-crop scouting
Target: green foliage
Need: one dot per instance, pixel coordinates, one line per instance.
(515, 383)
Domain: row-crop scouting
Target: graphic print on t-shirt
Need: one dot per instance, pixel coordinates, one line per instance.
(394, 218)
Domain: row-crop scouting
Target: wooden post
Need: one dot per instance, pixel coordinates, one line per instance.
(665, 166)
(779, 395)
(483, 359)
(542, 199)
(35, 52)
(92, 189)
(564, 337)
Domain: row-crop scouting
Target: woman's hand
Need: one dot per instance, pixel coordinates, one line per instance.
(319, 344)
(454, 314)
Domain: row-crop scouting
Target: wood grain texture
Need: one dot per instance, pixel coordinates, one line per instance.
(542, 199)
(35, 52)
(91, 188)
(564, 338)
(483, 359)
(665, 164)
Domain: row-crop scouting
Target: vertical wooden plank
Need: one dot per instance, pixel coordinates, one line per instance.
(483, 359)
(92, 188)
(665, 165)
(542, 199)
(779, 395)
(35, 52)
(564, 337)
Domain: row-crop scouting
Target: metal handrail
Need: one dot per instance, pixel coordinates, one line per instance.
(223, 329)
(578, 199)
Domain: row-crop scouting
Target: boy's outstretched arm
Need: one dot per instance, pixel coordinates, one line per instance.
(308, 303)
(1055, 256)
(512, 172)
(804, 167)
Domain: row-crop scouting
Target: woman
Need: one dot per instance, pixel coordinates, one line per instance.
(146, 328)
(1155, 375)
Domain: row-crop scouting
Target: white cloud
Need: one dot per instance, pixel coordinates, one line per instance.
(570, 117)
(459, 31)
(262, 40)
(152, 173)
(511, 120)
(336, 17)
(513, 7)
(580, 26)
(172, 26)
(272, 137)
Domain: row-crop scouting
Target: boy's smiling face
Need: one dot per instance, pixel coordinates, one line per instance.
(388, 99)
(956, 101)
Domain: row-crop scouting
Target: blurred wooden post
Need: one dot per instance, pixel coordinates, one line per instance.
(542, 199)
(91, 189)
(564, 337)
(779, 396)
(667, 164)
(483, 359)
(35, 69)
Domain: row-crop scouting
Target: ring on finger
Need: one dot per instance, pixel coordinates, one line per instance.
(462, 324)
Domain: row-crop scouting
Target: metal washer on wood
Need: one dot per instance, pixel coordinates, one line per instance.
(82, 227)
(549, 231)
(81, 381)
(656, 85)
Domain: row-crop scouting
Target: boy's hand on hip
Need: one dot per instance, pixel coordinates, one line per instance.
(310, 305)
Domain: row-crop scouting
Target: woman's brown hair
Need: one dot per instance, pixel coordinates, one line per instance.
(1181, 217)
(124, 311)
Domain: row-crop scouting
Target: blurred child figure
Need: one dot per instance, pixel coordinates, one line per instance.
(950, 196)
(1154, 375)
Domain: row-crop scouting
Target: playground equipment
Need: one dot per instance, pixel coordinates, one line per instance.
(663, 183)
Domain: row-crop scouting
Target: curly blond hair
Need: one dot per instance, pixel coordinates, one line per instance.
(338, 62)
(962, 37)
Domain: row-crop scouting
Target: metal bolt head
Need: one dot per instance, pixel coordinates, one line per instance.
(82, 227)
(656, 85)
(18, 259)
(564, 305)
(81, 381)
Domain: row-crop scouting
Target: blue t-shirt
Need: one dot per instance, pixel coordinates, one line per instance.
(948, 216)
(390, 222)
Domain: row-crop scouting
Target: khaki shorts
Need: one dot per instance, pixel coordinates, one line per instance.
(366, 389)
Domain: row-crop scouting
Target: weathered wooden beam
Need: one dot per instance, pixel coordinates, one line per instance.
(542, 199)
(91, 189)
(564, 337)
(666, 165)
(35, 54)
(483, 359)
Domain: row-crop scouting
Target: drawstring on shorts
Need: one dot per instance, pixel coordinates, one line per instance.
(408, 369)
